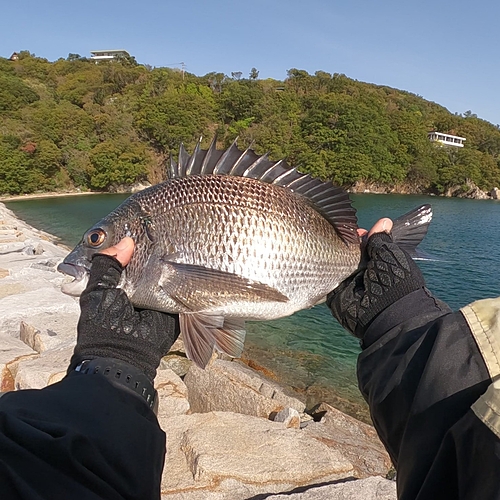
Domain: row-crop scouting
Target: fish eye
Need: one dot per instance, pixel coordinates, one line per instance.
(96, 237)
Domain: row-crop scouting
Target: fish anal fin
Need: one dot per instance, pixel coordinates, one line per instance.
(231, 337)
(198, 340)
(203, 332)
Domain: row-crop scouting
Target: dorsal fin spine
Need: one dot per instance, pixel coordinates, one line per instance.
(329, 200)
(193, 158)
(208, 156)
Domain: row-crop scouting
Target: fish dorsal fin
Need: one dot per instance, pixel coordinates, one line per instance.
(331, 201)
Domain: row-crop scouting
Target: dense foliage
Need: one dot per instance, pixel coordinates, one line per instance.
(74, 123)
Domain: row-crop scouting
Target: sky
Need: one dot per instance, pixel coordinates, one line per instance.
(445, 51)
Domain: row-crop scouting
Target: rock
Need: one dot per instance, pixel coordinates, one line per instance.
(289, 417)
(139, 186)
(46, 265)
(18, 307)
(468, 190)
(48, 368)
(172, 394)
(372, 488)
(48, 331)
(178, 364)
(12, 352)
(231, 386)
(241, 455)
(357, 441)
(495, 193)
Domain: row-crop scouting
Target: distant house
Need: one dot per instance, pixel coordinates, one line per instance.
(14, 56)
(107, 55)
(446, 139)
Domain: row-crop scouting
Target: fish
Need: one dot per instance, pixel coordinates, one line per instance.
(232, 236)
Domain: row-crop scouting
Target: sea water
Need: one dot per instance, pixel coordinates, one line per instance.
(309, 351)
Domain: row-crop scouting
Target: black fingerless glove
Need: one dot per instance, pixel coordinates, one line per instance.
(390, 274)
(110, 327)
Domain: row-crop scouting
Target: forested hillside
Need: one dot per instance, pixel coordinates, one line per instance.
(73, 123)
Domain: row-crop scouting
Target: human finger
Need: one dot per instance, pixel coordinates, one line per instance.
(383, 225)
(122, 251)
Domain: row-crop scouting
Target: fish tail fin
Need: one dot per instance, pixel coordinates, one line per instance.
(409, 229)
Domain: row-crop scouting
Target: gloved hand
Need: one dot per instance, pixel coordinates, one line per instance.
(110, 327)
(389, 275)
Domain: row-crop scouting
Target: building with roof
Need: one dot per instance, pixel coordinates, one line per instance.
(446, 139)
(108, 54)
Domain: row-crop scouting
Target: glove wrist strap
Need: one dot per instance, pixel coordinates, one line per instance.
(122, 375)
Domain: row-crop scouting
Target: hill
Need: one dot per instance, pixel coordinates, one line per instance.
(75, 123)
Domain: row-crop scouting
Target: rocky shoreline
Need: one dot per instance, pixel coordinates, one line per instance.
(231, 433)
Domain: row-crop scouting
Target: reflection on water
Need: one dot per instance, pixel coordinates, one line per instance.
(309, 350)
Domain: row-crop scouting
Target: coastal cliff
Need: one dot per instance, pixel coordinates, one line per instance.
(231, 432)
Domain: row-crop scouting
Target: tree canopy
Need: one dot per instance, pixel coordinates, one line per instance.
(75, 123)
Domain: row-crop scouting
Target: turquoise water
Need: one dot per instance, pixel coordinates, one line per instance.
(309, 351)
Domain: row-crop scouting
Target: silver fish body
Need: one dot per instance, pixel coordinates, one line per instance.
(229, 237)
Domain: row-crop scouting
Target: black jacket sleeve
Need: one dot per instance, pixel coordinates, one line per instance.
(80, 438)
(421, 371)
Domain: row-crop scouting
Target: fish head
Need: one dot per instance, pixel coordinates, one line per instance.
(79, 261)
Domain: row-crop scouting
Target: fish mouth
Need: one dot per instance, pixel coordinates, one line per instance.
(78, 285)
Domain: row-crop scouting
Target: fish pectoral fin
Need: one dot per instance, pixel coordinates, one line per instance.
(202, 332)
(199, 288)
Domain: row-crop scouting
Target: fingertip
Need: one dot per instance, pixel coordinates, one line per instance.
(125, 244)
(383, 225)
(122, 251)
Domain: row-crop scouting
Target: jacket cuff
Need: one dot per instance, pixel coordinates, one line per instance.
(420, 303)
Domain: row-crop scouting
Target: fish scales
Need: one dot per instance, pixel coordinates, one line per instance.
(242, 226)
(257, 240)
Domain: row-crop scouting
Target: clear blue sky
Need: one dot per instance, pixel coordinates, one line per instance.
(445, 51)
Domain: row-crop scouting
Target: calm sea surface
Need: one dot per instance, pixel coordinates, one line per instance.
(309, 351)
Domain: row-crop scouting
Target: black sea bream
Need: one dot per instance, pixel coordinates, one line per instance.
(232, 236)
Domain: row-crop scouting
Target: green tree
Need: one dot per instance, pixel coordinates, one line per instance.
(117, 163)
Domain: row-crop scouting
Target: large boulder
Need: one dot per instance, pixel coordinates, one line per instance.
(12, 352)
(48, 368)
(359, 442)
(232, 386)
(47, 331)
(234, 456)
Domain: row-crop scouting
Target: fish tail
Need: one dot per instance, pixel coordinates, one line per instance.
(409, 229)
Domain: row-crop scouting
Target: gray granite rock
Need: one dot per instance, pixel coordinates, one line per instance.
(48, 368)
(240, 456)
(372, 488)
(172, 394)
(48, 331)
(357, 441)
(232, 386)
(22, 305)
(289, 417)
(12, 352)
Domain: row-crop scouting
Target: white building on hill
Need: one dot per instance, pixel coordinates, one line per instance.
(446, 139)
(107, 55)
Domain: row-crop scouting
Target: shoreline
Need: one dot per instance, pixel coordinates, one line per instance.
(51, 194)
(361, 188)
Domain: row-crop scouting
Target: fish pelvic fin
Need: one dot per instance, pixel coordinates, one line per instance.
(202, 332)
(331, 201)
(409, 229)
